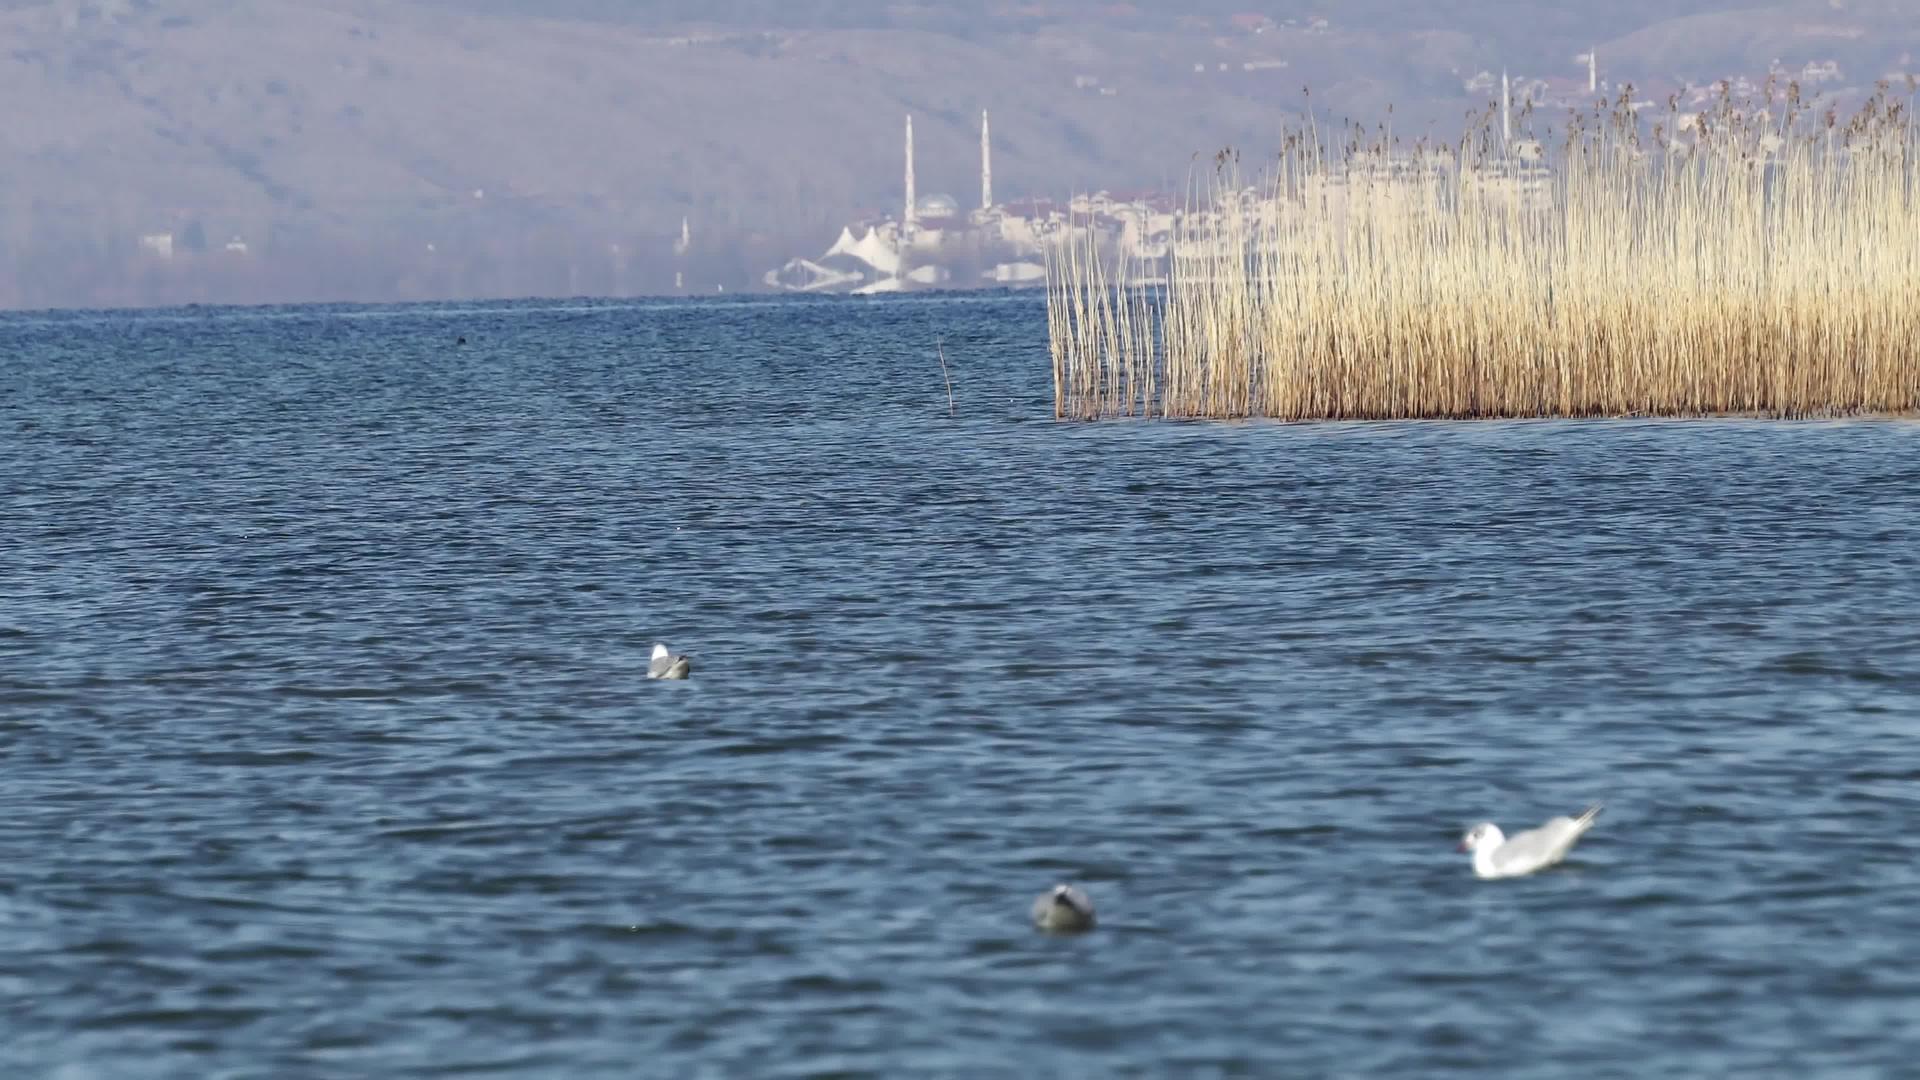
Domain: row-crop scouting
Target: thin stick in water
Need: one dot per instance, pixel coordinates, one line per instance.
(941, 350)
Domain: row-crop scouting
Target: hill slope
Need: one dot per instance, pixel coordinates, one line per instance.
(418, 149)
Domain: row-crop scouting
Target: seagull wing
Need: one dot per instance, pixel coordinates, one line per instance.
(1544, 846)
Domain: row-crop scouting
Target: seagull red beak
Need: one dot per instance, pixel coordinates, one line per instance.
(1462, 846)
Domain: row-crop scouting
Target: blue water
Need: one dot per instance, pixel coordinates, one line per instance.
(326, 747)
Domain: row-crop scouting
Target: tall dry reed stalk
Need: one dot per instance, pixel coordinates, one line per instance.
(1752, 259)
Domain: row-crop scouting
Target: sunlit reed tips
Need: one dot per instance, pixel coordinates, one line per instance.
(1756, 258)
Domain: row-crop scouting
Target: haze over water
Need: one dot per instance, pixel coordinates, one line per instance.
(328, 748)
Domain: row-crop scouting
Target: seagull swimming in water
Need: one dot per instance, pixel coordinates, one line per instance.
(666, 665)
(1497, 855)
(1063, 910)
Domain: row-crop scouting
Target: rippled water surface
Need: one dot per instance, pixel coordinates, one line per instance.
(326, 747)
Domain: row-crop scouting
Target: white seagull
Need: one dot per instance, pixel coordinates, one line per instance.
(666, 665)
(1063, 910)
(1496, 855)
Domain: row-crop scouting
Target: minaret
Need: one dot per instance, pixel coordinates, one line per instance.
(910, 203)
(1506, 108)
(1593, 71)
(986, 165)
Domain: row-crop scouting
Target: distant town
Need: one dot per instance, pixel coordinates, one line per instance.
(933, 243)
(168, 157)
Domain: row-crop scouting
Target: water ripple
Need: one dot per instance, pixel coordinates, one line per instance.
(330, 749)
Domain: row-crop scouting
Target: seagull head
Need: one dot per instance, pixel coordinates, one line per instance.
(1069, 897)
(1485, 834)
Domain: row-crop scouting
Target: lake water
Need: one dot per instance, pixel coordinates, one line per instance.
(327, 748)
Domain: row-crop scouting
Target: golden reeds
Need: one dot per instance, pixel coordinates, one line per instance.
(1752, 259)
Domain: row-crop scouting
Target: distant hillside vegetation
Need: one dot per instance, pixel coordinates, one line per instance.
(342, 149)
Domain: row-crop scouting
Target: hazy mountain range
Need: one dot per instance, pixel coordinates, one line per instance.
(332, 149)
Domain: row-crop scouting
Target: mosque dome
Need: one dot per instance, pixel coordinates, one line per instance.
(936, 206)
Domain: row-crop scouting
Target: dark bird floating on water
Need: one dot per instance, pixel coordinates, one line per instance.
(1064, 910)
(666, 665)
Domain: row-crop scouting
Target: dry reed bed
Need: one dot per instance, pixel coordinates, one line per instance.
(1766, 261)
